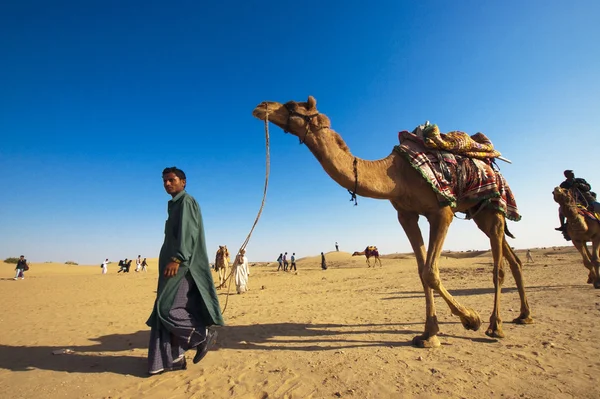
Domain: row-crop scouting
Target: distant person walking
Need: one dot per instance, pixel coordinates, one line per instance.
(21, 268)
(293, 262)
(138, 263)
(337, 248)
(144, 265)
(529, 257)
(122, 266)
(242, 273)
(323, 262)
(105, 266)
(280, 261)
(285, 262)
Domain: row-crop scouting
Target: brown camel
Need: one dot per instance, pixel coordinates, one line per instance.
(581, 230)
(370, 252)
(394, 179)
(222, 264)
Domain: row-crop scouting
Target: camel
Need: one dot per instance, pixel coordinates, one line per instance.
(370, 252)
(581, 230)
(394, 179)
(222, 264)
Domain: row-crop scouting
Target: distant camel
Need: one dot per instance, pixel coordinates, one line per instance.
(370, 251)
(222, 264)
(580, 230)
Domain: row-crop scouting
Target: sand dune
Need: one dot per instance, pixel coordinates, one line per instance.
(343, 332)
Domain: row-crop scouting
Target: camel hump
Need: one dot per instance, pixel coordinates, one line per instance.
(371, 248)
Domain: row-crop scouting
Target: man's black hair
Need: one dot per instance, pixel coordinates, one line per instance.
(178, 172)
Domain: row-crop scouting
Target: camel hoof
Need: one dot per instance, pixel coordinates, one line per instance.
(498, 333)
(596, 284)
(523, 320)
(472, 321)
(421, 342)
(590, 280)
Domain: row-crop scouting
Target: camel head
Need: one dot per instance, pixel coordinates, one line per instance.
(297, 118)
(356, 253)
(563, 196)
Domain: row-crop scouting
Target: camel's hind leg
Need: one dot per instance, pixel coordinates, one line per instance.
(516, 267)
(596, 261)
(588, 260)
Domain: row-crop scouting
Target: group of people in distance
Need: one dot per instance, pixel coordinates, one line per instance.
(284, 264)
(141, 265)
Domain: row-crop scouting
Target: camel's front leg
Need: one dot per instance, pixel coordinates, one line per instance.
(221, 271)
(409, 222)
(516, 267)
(439, 223)
(588, 261)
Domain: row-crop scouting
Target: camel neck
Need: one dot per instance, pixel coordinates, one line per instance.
(376, 179)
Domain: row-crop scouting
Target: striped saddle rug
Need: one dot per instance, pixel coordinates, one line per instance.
(458, 167)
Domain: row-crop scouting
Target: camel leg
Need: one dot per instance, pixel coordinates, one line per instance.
(588, 261)
(409, 222)
(516, 267)
(438, 228)
(493, 225)
(368, 263)
(221, 272)
(596, 261)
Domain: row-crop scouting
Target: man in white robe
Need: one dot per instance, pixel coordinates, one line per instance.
(242, 272)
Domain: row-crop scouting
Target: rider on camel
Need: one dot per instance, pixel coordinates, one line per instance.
(581, 190)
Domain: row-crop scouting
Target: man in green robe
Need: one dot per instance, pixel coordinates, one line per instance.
(186, 299)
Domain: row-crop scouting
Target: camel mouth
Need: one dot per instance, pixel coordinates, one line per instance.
(259, 112)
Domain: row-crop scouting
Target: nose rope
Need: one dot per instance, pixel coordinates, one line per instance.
(262, 205)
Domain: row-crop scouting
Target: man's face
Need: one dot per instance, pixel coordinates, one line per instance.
(570, 176)
(173, 184)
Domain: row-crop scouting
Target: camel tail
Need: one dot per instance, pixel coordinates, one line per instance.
(506, 231)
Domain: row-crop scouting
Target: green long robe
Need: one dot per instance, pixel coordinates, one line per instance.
(184, 240)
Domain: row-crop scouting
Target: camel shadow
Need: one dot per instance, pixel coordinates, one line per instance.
(484, 291)
(308, 337)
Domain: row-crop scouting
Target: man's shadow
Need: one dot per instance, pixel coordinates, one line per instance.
(105, 355)
(94, 358)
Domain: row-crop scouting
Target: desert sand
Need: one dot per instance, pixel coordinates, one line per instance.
(344, 332)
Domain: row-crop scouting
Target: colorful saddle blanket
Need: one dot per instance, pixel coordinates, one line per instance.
(586, 213)
(459, 143)
(458, 178)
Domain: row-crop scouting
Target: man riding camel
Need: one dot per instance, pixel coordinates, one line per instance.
(581, 190)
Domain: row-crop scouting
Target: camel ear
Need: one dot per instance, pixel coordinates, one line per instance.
(311, 102)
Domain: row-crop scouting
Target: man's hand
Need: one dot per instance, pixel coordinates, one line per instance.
(171, 269)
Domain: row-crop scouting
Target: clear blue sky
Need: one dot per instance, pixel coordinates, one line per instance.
(97, 97)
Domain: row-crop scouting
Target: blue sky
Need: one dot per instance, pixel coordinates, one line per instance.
(99, 96)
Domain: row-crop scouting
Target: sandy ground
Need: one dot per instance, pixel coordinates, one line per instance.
(343, 332)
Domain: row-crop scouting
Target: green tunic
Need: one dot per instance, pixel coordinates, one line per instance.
(184, 240)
